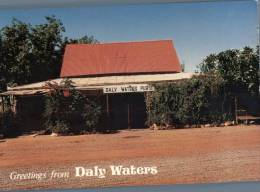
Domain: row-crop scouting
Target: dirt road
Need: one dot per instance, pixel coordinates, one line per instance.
(220, 154)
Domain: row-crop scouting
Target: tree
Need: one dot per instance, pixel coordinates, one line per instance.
(84, 40)
(209, 64)
(33, 53)
(239, 69)
(249, 63)
(15, 50)
(2, 69)
(47, 42)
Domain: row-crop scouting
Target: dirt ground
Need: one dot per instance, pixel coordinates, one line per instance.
(204, 155)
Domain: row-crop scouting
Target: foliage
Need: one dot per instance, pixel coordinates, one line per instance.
(91, 114)
(15, 51)
(201, 99)
(8, 122)
(33, 53)
(2, 68)
(84, 40)
(60, 127)
(71, 113)
(238, 68)
(46, 52)
(210, 96)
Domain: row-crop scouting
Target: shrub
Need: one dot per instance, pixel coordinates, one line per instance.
(71, 112)
(201, 99)
(92, 113)
(60, 127)
(8, 123)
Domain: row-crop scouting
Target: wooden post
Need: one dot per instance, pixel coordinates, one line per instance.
(14, 104)
(107, 111)
(148, 108)
(3, 104)
(3, 109)
(236, 119)
(128, 116)
(246, 118)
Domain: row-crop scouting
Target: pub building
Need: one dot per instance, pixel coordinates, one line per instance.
(119, 73)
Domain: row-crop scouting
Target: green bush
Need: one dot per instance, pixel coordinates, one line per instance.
(91, 114)
(60, 127)
(199, 100)
(8, 123)
(70, 113)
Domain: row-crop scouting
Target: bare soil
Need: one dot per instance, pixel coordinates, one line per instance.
(202, 155)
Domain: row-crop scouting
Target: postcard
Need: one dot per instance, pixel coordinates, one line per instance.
(129, 95)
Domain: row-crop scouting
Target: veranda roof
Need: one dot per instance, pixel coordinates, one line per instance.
(97, 83)
(25, 92)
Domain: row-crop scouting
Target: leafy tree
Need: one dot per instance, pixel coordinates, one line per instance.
(84, 40)
(238, 68)
(47, 42)
(15, 50)
(249, 69)
(2, 69)
(32, 53)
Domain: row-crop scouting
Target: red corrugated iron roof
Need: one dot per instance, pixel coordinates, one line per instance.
(120, 58)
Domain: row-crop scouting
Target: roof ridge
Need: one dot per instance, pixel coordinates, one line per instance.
(120, 42)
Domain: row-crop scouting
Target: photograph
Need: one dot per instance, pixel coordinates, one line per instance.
(97, 96)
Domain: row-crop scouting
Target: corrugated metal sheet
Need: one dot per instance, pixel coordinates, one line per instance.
(120, 58)
(99, 82)
(25, 92)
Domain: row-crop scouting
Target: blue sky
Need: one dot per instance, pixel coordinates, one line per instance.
(197, 29)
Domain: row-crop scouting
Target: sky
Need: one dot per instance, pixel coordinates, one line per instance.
(197, 29)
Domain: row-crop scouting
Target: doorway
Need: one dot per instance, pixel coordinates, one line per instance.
(127, 110)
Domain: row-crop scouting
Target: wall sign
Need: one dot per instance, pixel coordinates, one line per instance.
(131, 88)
